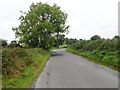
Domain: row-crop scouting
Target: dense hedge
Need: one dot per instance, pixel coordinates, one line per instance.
(101, 50)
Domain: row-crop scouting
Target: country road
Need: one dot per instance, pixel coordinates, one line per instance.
(67, 70)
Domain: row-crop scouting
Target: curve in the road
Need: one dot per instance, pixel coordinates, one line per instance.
(67, 70)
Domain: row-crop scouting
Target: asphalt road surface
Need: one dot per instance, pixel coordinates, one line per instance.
(67, 70)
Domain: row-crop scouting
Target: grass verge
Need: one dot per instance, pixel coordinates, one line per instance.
(94, 58)
(22, 66)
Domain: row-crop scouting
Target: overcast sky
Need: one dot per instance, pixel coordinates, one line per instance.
(85, 17)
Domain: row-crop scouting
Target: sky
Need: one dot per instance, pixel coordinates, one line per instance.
(85, 17)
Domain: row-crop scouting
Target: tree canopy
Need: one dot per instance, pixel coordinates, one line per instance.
(41, 25)
(95, 37)
(3, 42)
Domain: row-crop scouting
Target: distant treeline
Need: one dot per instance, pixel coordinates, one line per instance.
(13, 44)
(105, 51)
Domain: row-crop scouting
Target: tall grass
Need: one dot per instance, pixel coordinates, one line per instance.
(21, 66)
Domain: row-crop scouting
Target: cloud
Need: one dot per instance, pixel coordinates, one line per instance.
(85, 17)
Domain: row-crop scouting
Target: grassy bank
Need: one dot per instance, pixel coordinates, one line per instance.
(63, 46)
(21, 66)
(108, 60)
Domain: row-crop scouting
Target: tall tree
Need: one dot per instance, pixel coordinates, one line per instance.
(41, 25)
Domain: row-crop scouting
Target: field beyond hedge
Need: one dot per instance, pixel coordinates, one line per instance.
(21, 66)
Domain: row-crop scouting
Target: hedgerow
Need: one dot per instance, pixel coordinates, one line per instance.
(105, 51)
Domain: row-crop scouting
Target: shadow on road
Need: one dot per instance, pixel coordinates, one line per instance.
(56, 54)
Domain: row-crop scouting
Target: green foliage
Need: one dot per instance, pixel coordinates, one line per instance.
(69, 41)
(3, 43)
(41, 25)
(59, 40)
(95, 37)
(63, 46)
(21, 66)
(13, 44)
(105, 51)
